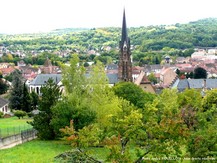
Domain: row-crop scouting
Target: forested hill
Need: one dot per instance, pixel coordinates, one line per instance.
(202, 33)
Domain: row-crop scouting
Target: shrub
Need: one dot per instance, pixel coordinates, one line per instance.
(30, 114)
(75, 156)
(1, 114)
(19, 113)
(7, 116)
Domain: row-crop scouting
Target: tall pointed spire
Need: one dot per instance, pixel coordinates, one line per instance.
(124, 29)
(125, 64)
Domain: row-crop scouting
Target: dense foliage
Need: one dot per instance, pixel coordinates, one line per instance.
(132, 93)
(1, 114)
(170, 125)
(3, 86)
(15, 99)
(19, 97)
(200, 73)
(19, 113)
(42, 121)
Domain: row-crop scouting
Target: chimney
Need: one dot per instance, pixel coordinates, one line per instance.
(204, 83)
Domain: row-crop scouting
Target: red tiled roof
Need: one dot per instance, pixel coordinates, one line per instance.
(6, 71)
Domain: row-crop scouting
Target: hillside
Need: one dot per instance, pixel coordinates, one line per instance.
(146, 41)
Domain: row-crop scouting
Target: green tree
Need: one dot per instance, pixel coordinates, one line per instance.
(100, 97)
(152, 78)
(86, 64)
(164, 128)
(200, 73)
(203, 144)
(133, 93)
(26, 99)
(3, 86)
(20, 113)
(15, 99)
(65, 110)
(126, 126)
(34, 100)
(1, 114)
(42, 121)
(190, 103)
(73, 77)
(178, 72)
(203, 141)
(156, 131)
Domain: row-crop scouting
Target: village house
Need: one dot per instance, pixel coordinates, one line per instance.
(28, 72)
(146, 85)
(41, 80)
(4, 65)
(48, 68)
(21, 63)
(7, 71)
(180, 60)
(111, 68)
(153, 68)
(136, 70)
(185, 67)
(167, 77)
(201, 84)
(4, 106)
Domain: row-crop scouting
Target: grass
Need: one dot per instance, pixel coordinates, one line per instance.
(38, 151)
(13, 125)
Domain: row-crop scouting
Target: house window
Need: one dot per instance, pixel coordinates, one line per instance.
(3, 109)
(6, 108)
(37, 90)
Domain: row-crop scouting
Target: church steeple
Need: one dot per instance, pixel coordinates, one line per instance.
(124, 29)
(125, 65)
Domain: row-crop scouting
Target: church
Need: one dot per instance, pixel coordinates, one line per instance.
(126, 72)
(125, 62)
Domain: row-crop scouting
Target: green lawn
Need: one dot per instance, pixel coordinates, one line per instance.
(38, 151)
(13, 125)
(35, 151)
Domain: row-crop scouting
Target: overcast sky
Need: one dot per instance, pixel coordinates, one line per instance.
(18, 16)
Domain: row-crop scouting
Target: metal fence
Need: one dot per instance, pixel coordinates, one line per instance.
(28, 134)
(5, 132)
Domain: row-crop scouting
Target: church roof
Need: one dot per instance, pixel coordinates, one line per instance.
(41, 79)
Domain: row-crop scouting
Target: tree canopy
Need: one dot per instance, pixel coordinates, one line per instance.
(200, 73)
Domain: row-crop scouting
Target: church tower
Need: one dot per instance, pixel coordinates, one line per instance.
(125, 63)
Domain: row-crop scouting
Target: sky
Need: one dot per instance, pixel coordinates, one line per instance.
(24, 16)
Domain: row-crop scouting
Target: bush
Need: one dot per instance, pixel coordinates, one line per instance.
(75, 156)
(30, 114)
(19, 113)
(7, 115)
(1, 114)
(42, 125)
